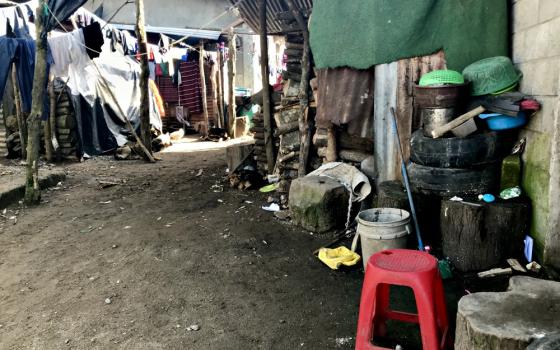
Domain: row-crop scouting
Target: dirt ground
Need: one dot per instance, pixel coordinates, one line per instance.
(135, 265)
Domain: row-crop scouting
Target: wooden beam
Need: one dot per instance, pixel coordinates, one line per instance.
(145, 131)
(231, 81)
(269, 147)
(220, 86)
(32, 190)
(203, 88)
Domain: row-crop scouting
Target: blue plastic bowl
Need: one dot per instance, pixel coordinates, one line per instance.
(498, 121)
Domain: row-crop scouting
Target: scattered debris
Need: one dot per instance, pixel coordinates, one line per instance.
(200, 171)
(282, 215)
(108, 301)
(514, 263)
(272, 207)
(103, 184)
(534, 266)
(193, 327)
(106, 202)
(495, 272)
(343, 341)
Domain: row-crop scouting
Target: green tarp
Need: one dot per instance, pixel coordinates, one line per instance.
(363, 33)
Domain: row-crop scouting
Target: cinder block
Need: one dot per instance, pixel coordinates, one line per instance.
(540, 77)
(525, 14)
(548, 9)
(519, 50)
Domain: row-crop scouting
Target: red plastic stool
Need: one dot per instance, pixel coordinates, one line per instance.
(410, 268)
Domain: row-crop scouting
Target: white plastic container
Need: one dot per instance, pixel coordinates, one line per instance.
(382, 228)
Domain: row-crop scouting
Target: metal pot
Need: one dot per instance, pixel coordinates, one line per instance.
(433, 118)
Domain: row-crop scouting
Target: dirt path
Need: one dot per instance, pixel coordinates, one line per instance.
(168, 252)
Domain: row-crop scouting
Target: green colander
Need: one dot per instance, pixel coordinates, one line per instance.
(491, 75)
(441, 77)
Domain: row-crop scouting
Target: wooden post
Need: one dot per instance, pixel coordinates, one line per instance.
(231, 81)
(32, 190)
(22, 125)
(220, 87)
(268, 140)
(145, 131)
(332, 154)
(46, 124)
(304, 122)
(203, 89)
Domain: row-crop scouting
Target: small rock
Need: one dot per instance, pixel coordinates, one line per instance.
(193, 327)
(114, 246)
(67, 341)
(108, 301)
(282, 321)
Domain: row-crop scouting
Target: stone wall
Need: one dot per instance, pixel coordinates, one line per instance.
(536, 52)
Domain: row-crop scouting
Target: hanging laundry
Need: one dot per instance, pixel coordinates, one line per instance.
(152, 69)
(93, 39)
(168, 91)
(189, 89)
(68, 49)
(22, 53)
(157, 98)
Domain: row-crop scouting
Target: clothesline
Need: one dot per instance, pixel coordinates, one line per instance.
(172, 44)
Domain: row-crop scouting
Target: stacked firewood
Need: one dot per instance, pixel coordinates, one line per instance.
(349, 148)
(258, 134)
(287, 130)
(292, 75)
(65, 123)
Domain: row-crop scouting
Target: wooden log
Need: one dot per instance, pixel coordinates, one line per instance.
(509, 320)
(353, 155)
(236, 155)
(206, 125)
(259, 135)
(322, 152)
(391, 194)
(320, 139)
(297, 46)
(287, 157)
(331, 155)
(480, 237)
(294, 52)
(257, 129)
(347, 141)
(286, 128)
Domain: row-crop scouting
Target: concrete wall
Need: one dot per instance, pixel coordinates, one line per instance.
(192, 14)
(536, 52)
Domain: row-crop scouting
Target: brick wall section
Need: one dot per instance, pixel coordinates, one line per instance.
(536, 52)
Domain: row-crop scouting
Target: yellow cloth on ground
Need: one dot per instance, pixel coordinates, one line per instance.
(333, 258)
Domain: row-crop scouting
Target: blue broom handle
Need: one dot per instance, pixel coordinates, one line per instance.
(407, 183)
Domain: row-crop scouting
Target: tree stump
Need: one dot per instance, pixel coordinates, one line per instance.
(480, 235)
(510, 320)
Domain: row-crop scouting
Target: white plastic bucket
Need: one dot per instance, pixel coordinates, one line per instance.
(382, 228)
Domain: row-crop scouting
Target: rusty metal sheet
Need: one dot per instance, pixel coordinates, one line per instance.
(345, 96)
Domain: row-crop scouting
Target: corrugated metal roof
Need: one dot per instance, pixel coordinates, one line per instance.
(249, 11)
(194, 33)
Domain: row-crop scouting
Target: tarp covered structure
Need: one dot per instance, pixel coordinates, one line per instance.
(364, 33)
